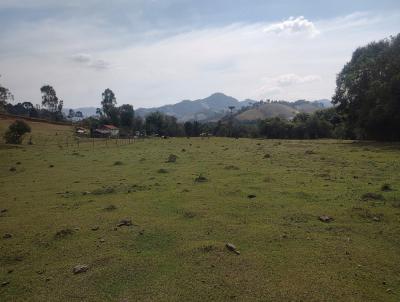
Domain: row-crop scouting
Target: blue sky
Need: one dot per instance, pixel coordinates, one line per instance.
(156, 52)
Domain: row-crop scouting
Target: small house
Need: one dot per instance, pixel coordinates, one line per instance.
(108, 131)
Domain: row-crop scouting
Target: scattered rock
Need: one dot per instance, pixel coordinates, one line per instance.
(183, 150)
(95, 228)
(124, 222)
(102, 240)
(325, 218)
(51, 166)
(162, 171)
(18, 163)
(3, 210)
(86, 193)
(5, 283)
(251, 196)
(309, 152)
(232, 248)
(267, 155)
(376, 218)
(231, 167)
(7, 236)
(81, 268)
(172, 158)
(13, 169)
(200, 178)
(10, 271)
(118, 163)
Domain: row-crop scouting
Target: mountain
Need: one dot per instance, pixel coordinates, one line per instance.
(211, 108)
(324, 102)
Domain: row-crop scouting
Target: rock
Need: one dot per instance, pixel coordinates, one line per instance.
(125, 222)
(81, 268)
(171, 158)
(5, 283)
(325, 218)
(232, 248)
(3, 210)
(102, 240)
(13, 169)
(95, 228)
(251, 196)
(376, 218)
(7, 236)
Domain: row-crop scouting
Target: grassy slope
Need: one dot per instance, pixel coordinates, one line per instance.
(267, 111)
(176, 251)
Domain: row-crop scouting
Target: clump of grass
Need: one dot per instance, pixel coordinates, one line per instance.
(372, 196)
(200, 178)
(386, 187)
(309, 152)
(64, 233)
(189, 214)
(118, 163)
(106, 190)
(162, 171)
(111, 207)
(231, 167)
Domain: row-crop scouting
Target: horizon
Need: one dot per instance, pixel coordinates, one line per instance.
(157, 53)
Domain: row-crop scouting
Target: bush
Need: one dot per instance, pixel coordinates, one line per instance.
(16, 132)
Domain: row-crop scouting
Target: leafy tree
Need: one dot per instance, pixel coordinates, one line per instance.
(108, 103)
(16, 131)
(126, 113)
(368, 91)
(49, 98)
(79, 114)
(71, 113)
(5, 97)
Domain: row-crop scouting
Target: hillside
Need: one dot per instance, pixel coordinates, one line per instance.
(213, 107)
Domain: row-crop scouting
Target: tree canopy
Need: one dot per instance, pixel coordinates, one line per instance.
(368, 91)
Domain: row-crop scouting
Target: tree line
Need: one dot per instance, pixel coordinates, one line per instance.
(366, 99)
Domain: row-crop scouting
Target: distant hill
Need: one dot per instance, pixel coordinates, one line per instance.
(286, 110)
(211, 108)
(216, 106)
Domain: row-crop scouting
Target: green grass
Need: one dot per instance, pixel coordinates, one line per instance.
(175, 249)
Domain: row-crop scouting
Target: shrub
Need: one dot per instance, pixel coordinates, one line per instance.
(16, 132)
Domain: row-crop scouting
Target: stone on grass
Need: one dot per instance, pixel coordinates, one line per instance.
(80, 268)
(232, 248)
(251, 196)
(7, 236)
(95, 228)
(125, 222)
(325, 218)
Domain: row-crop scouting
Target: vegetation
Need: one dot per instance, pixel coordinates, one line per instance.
(324, 210)
(16, 131)
(368, 91)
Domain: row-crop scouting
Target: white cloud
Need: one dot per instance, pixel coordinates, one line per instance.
(293, 26)
(293, 79)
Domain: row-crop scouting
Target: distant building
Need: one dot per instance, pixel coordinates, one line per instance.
(107, 131)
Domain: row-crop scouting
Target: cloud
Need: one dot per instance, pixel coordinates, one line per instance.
(293, 26)
(294, 79)
(237, 59)
(87, 60)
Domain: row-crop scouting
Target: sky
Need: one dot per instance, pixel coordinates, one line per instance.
(156, 52)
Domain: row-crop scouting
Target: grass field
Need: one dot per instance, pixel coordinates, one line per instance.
(62, 204)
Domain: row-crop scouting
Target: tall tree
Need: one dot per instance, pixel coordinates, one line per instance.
(108, 102)
(49, 98)
(368, 91)
(126, 113)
